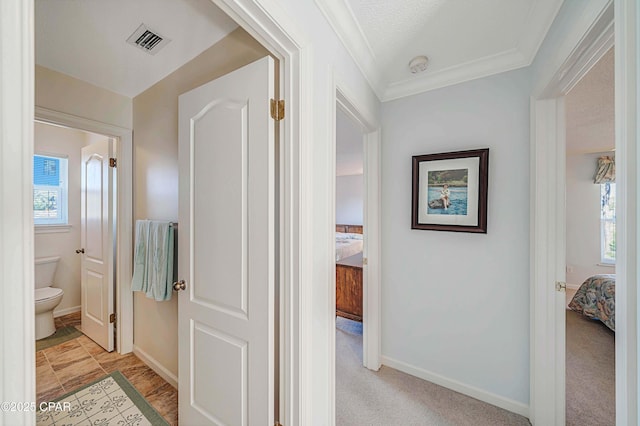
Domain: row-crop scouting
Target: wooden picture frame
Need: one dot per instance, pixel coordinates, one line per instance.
(449, 191)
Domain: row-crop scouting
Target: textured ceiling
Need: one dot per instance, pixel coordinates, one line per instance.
(464, 39)
(86, 39)
(590, 110)
(349, 148)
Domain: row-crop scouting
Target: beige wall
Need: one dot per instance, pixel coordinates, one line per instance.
(63, 93)
(155, 124)
(583, 219)
(63, 142)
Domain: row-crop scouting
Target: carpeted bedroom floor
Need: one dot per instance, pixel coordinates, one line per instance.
(390, 397)
(591, 399)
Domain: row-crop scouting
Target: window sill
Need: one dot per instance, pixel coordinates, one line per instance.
(51, 229)
(610, 265)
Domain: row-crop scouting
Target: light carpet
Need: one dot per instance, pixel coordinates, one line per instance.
(389, 397)
(109, 401)
(591, 376)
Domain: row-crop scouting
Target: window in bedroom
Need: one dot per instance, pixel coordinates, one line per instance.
(608, 222)
(49, 190)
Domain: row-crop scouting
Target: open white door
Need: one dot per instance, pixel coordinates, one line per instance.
(97, 236)
(227, 250)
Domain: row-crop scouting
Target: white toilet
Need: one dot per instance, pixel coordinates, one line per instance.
(47, 297)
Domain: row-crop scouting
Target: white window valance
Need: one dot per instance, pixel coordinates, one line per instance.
(606, 171)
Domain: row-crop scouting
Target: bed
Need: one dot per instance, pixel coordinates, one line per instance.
(348, 244)
(596, 299)
(349, 271)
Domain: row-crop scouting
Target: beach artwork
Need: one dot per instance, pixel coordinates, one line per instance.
(447, 192)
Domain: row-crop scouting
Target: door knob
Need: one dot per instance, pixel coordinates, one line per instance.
(80, 251)
(179, 285)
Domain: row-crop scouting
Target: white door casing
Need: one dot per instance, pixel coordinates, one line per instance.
(122, 189)
(592, 39)
(356, 111)
(227, 249)
(272, 26)
(97, 241)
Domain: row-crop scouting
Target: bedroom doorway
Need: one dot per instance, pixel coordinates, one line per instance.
(349, 282)
(355, 256)
(588, 43)
(349, 245)
(590, 246)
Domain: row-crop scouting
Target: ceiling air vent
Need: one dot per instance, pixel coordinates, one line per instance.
(147, 40)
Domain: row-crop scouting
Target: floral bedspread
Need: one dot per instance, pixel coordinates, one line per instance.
(596, 299)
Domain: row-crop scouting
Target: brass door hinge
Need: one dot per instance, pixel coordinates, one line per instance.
(277, 424)
(561, 286)
(113, 162)
(277, 109)
(112, 318)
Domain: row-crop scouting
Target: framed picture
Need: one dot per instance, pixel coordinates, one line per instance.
(450, 191)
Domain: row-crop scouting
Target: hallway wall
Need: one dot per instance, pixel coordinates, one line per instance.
(455, 306)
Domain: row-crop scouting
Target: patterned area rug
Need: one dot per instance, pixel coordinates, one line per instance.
(60, 336)
(111, 400)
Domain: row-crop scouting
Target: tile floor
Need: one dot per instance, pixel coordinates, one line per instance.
(69, 365)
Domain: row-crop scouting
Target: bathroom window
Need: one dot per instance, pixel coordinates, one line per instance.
(50, 190)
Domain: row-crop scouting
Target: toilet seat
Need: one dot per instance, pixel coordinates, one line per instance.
(47, 293)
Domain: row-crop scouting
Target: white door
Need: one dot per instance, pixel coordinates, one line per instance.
(227, 250)
(97, 236)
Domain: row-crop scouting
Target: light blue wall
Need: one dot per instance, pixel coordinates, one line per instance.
(457, 304)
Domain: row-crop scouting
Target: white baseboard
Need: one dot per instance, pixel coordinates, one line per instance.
(66, 311)
(573, 286)
(171, 378)
(482, 395)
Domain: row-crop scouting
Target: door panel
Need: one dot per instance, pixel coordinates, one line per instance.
(226, 250)
(97, 219)
(93, 307)
(225, 181)
(222, 404)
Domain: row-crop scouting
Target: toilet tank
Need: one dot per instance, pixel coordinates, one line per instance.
(45, 270)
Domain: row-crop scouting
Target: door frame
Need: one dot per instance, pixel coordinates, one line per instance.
(269, 23)
(123, 149)
(17, 305)
(627, 122)
(548, 219)
(371, 311)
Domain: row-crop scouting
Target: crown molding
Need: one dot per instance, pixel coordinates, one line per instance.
(345, 25)
(483, 67)
(348, 30)
(537, 25)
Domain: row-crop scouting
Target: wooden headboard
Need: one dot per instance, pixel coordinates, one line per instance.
(352, 229)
